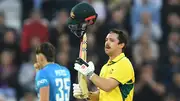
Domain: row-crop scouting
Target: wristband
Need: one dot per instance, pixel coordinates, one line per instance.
(90, 75)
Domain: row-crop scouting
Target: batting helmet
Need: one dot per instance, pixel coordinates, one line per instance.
(81, 15)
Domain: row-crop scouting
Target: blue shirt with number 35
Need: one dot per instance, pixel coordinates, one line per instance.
(57, 78)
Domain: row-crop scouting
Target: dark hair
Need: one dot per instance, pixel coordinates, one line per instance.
(122, 36)
(48, 50)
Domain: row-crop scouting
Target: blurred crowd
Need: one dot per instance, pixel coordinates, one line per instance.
(153, 27)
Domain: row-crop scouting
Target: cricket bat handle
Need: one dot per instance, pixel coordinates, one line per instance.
(81, 78)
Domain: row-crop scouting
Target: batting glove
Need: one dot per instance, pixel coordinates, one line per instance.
(85, 68)
(76, 90)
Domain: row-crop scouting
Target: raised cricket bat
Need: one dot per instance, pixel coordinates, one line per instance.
(81, 78)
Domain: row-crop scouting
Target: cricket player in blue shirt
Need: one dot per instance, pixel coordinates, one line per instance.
(52, 80)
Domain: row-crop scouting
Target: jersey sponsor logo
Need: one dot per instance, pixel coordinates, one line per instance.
(42, 81)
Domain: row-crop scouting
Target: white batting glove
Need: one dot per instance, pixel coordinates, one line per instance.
(76, 90)
(84, 69)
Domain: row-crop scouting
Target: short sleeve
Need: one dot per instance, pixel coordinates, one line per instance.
(122, 73)
(42, 80)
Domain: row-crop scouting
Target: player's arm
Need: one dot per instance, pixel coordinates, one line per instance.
(118, 76)
(103, 83)
(43, 85)
(107, 84)
(44, 93)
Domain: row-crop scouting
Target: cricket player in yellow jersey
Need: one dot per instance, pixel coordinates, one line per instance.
(117, 78)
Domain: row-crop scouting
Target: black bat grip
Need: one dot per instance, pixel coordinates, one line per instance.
(81, 61)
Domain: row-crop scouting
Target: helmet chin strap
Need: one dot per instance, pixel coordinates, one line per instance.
(79, 33)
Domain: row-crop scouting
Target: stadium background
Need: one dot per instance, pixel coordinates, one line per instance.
(154, 45)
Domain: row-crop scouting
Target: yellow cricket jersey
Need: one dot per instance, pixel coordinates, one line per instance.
(120, 69)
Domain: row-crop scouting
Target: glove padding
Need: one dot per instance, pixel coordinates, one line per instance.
(76, 90)
(83, 68)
